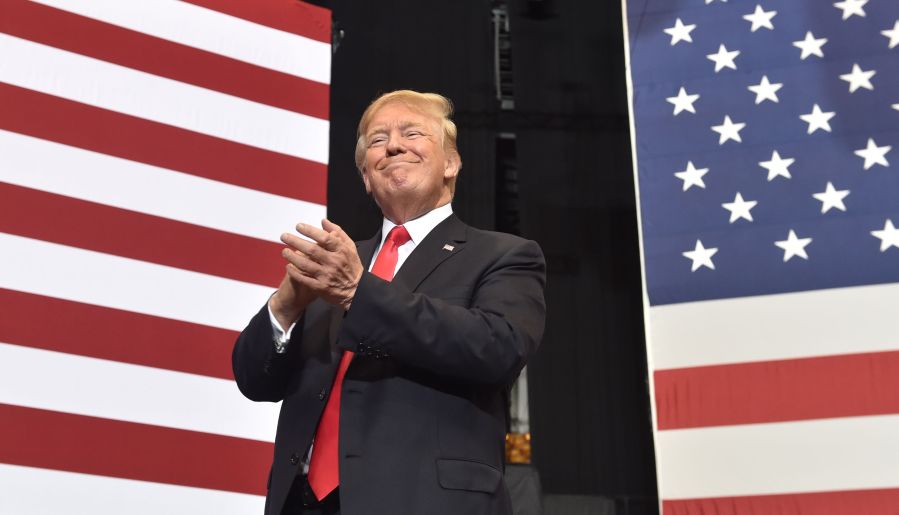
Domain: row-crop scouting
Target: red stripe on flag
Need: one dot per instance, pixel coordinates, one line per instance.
(848, 502)
(107, 132)
(113, 334)
(87, 225)
(773, 391)
(90, 445)
(293, 16)
(157, 56)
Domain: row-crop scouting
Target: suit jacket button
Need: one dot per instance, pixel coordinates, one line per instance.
(294, 459)
(321, 395)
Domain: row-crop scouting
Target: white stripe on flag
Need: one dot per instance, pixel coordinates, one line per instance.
(772, 327)
(132, 393)
(34, 491)
(70, 273)
(86, 175)
(853, 453)
(212, 31)
(117, 88)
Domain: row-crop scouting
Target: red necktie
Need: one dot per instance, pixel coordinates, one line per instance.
(324, 474)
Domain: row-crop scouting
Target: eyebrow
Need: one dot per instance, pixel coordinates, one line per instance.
(402, 126)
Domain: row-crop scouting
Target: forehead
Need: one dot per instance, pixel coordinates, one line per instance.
(397, 114)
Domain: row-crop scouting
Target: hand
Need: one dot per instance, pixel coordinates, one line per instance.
(290, 300)
(329, 265)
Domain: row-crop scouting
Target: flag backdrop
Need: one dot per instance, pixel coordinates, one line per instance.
(151, 153)
(766, 142)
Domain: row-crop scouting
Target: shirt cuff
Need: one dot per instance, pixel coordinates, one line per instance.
(282, 337)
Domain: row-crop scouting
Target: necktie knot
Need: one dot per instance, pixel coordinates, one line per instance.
(398, 236)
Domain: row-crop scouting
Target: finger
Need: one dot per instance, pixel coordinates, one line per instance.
(316, 234)
(337, 232)
(302, 262)
(328, 240)
(304, 280)
(307, 247)
(330, 226)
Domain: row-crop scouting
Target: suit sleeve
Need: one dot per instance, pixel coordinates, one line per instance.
(261, 373)
(487, 343)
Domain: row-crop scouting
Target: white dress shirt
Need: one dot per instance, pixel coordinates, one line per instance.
(418, 229)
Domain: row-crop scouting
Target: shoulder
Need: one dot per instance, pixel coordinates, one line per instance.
(498, 239)
(501, 239)
(504, 244)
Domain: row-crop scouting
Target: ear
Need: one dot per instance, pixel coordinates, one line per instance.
(452, 165)
(365, 180)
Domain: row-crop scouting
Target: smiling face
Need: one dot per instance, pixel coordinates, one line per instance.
(406, 168)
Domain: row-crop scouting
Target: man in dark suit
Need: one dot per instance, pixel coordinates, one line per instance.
(393, 356)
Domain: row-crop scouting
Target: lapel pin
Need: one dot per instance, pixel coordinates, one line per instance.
(448, 247)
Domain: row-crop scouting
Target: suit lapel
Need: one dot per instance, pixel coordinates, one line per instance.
(445, 240)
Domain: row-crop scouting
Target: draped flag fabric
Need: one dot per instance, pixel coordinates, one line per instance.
(151, 153)
(766, 147)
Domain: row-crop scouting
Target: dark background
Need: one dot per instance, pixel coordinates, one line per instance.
(556, 168)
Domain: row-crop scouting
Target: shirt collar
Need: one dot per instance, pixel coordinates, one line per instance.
(421, 226)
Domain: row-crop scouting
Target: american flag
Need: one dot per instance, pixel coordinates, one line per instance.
(766, 143)
(150, 155)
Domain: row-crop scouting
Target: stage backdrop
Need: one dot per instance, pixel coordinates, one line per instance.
(150, 155)
(766, 138)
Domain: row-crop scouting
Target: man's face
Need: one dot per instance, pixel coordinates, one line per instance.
(406, 167)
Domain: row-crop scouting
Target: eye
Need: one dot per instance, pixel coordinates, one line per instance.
(376, 140)
(413, 134)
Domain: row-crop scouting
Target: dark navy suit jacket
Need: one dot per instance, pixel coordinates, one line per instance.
(423, 410)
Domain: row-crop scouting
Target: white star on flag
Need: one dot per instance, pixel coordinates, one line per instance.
(851, 7)
(683, 102)
(728, 130)
(680, 32)
(692, 176)
(874, 155)
(793, 246)
(700, 256)
(707, 2)
(831, 198)
(858, 78)
(817, 119)
(810, 45)
(893, 34)
(888, 236)
(895, 106)
(765, 90)
(724, 58)
(739, 208)
(760, 18)
(777, 167)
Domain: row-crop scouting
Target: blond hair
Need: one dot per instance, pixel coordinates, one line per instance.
(433, 105)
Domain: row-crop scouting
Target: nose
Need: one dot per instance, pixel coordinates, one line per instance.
(395, 143)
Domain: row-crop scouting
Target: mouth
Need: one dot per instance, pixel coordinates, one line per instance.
(394, 164)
